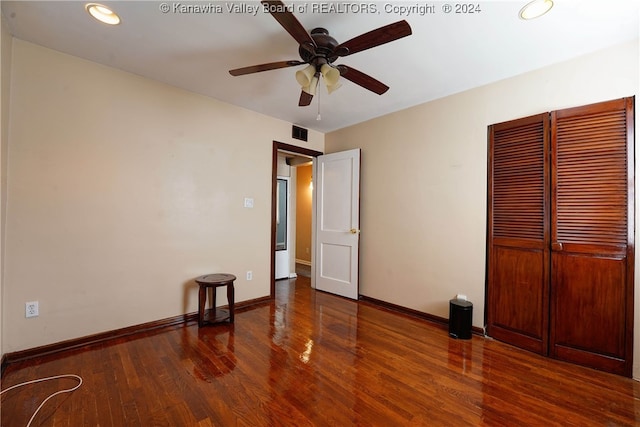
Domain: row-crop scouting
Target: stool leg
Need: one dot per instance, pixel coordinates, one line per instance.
(202, 296)
(230, 300)
(214, 309)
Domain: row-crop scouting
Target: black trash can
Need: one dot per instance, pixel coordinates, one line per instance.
(460, 315)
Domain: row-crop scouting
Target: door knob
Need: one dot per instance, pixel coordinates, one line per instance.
(354, 231)
(556, 246)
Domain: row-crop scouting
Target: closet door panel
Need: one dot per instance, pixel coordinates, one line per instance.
(589, 315)
(518, 255)
(517, 283)
(592, 235)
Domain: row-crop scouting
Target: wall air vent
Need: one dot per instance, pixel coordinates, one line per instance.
(299, 133)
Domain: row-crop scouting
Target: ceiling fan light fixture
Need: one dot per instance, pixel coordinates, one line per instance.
(331, 74)
(535, 9)
(312, 87)
(332, 88)
(305, 75)
(102, 13)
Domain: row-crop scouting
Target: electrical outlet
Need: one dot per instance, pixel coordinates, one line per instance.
(249, 275)
(31, 309)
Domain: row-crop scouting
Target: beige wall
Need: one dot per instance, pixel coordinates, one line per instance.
(121, 190)
(5, 51)
(424, 173)
(303, 210)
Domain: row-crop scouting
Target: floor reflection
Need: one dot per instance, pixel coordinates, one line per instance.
(211, 339)
(459, 354)
(310, 358)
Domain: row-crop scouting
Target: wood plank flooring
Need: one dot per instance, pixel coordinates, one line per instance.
(313, 359)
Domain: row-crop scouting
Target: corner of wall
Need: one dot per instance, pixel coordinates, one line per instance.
(5, 51)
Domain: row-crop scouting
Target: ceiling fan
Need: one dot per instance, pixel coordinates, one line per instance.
(319, 50)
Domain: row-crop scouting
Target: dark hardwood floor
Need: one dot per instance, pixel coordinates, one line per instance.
(310, 358)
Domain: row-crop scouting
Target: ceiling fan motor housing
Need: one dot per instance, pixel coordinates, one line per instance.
(324, 50)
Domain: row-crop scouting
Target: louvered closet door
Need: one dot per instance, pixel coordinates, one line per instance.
(518, 254)
(592, 236)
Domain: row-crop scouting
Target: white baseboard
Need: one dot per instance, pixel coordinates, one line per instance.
(303, 262)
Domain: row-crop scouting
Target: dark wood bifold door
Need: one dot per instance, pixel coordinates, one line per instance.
(561, 242)
(518, 273)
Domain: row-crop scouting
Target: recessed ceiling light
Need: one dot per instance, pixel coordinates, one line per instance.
(102, 13)
(536, 9)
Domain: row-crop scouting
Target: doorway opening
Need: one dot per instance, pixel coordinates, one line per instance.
(297, 156)
(303, 224)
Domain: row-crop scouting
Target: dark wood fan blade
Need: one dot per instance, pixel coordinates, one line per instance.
(374, 38)
(289, 22)
(264, 67)
(305, 99)
(362, 79)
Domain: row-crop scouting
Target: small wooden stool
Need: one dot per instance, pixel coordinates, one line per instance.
(214, 315)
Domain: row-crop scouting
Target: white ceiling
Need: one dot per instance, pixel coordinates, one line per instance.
(447, 52)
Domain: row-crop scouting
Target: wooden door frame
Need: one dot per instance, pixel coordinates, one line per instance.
(631, 230)
(280, 146)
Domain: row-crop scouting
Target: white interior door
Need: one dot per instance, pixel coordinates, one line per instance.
(337, 223)
(282, 228)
